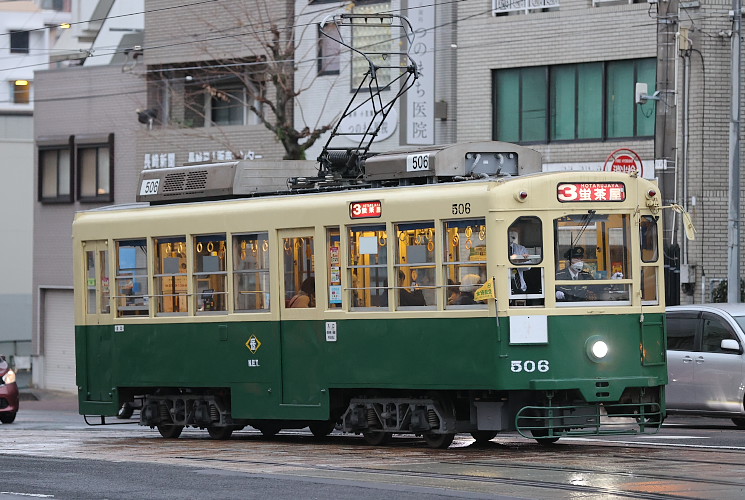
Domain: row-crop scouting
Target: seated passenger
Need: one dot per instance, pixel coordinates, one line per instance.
(574, 271)
(468, 286)
(406, 296)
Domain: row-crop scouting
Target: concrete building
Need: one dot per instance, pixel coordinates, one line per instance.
(27, 31)
(85, 128)
(560, 75)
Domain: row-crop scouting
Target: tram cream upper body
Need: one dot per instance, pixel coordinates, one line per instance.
(497, 201)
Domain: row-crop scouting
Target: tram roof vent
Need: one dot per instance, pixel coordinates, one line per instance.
(209, 181)
(452, 161)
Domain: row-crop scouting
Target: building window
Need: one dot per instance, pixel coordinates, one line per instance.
(571, 102)
(19, 42)
(329, 50)
(95, 165)
(21, 91)
(227, 105)
(376, 41)
(55, 175)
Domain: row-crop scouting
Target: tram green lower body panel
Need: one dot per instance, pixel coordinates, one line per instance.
(287, 370)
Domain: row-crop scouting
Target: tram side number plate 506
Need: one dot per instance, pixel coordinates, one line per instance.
(149, 186)
(417, 163)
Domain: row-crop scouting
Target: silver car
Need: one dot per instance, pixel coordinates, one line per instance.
(706, 362)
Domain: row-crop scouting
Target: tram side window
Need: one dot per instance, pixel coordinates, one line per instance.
(591, 246)
(251, 272)
(415, 264)
(90, 278)
(131, 278)
(333, 246)
(170, 278)
(650, 254)
(368, 265)
(210, 275)
(525, 251)
(299, 279)
(464, 260)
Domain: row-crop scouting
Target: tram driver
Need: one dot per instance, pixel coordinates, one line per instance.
(574, 271)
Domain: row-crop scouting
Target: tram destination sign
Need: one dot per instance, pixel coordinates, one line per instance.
(591, 191)
(365, 209)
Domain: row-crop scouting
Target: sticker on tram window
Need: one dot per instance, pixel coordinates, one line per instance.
(417, 163)
(365, 209)
(591, 191)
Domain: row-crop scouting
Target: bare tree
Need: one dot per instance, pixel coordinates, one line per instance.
(249, 65)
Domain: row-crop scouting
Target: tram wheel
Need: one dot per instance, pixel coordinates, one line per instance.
(220, 433)
(541, 437)
(126, 411)
(739, 422)
(321, 429)
(170, 431)
(439, 441)
(269, 430)
(377, 438)
(483, 436)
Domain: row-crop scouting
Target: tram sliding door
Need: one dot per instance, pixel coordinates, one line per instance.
(300, 333)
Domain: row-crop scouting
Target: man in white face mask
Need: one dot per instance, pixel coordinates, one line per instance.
(573, 271)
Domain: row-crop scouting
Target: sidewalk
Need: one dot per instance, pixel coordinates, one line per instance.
(42, 399)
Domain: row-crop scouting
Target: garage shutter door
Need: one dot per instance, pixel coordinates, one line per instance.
(59, 340)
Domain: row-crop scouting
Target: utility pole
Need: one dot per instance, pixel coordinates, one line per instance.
(666, 136)
(733, 221)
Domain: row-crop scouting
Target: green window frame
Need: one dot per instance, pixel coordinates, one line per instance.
(572, 102)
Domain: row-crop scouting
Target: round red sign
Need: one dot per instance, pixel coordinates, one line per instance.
(625, 161)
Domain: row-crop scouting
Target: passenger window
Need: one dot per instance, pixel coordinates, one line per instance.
(681, 331)
(251, 272)
(415, 264)
(90, 277)
(368, 265)
(464, 249)
(170, 278)
(715, 330)
(333, 245)
(525, 250)
(299, 280)
(591, 246)
(210, 274)
(131, 278)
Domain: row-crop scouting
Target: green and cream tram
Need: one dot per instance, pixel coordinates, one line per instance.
(431, 308)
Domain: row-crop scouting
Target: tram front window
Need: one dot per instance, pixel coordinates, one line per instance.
(592, 255)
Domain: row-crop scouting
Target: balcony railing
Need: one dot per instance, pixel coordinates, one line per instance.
(502, 6)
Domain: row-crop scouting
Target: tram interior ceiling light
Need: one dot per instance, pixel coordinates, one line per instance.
(21, 83)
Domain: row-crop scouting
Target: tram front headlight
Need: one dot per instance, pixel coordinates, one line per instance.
(597, 348)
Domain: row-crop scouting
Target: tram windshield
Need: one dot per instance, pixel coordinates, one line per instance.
(589, 247)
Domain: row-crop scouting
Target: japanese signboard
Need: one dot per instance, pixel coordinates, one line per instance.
(365, 209)
(591, 191)
(420, 112)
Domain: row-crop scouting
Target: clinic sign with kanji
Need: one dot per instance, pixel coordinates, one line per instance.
(420, 100)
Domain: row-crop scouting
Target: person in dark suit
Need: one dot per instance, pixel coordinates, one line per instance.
(574, 271)
(407, 297)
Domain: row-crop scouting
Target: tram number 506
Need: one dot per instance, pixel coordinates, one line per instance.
(416, 163)
(529, 366)
(149, 186)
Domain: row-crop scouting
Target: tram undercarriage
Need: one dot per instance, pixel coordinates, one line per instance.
(435, 416)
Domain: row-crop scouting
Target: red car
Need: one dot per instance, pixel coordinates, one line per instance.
(8, 393)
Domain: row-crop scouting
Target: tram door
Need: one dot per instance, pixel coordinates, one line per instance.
(95, 343)
(299, 338)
